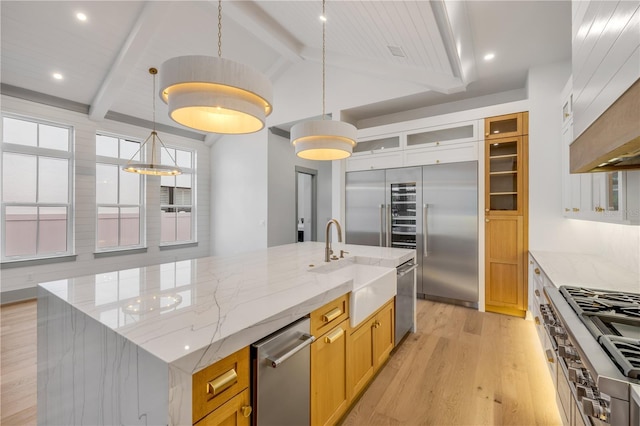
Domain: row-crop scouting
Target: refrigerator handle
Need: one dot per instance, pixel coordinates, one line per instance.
(425, 235)
(381, 223)
(388, 225)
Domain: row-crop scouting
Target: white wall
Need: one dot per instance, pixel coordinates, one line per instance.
(548, 228)
(281, 201)
(239, 193)
(18, 278)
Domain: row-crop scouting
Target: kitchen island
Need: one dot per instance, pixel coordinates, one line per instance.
(121, 347)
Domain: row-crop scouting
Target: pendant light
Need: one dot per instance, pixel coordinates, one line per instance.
(323, 139)
(215, 95)
(154, 168)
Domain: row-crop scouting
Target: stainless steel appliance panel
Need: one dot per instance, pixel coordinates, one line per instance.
(405, 307)
(365, 208)
(450, 240)
(282, 376)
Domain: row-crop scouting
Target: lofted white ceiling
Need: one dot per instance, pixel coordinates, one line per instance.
(105, 59)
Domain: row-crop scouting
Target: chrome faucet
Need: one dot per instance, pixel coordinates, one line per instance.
(327, 248)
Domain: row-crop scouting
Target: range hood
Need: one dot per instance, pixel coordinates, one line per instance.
(612, 142)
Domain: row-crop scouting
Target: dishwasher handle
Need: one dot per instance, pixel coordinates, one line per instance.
(406, 268)
(307, 339)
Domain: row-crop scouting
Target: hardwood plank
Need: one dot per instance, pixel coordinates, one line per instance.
(463, 367)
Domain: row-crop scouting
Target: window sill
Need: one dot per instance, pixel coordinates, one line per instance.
(10, 264)
(178, 246)
(122, 252)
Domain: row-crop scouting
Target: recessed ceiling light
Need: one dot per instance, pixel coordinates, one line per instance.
(323, 18)
(81, 16)
(489, 56)
(57, 76)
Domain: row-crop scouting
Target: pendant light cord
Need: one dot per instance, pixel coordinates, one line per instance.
(219, 28)
(324, 25)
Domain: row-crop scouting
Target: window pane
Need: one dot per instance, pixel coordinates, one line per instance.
(182, 196)
(167, 180)
(106, 146)
(53, 137)
(184, 225)
(107, 227)
(20, 132)
(106, 184)
(168, 225)
(129, 188)
(18, 178)
(53, 230)
(129, 226)
(183, 158)
(183, 180)
(128, 149)
(165, 156)
(165, 195)
(53, 180)
(21, 231)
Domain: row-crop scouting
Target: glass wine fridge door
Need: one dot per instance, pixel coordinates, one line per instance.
(403, 215)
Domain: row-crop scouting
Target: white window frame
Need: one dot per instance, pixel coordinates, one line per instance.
(193, 206)
(120, 162)
(39, 152)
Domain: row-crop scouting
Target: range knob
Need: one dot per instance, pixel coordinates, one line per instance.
(596, 408)
(580, 376)
(558, 331)
(568, 352)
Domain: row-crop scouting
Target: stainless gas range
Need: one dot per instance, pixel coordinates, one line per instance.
(596, 336)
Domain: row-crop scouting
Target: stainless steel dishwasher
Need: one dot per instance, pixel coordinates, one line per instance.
(405, 299)
(281, 370)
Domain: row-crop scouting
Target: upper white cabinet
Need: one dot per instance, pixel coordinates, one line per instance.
(431, 145)
(605, 196)
(605, 56)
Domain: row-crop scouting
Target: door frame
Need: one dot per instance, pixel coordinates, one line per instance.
(314, 201)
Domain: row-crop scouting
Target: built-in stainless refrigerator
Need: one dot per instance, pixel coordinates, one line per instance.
(432, 209)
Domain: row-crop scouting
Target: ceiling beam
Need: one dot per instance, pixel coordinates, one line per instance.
(428, 79)
(250, 16)
(128, 56)
(455, 30)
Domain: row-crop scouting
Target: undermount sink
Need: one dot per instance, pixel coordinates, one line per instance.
(373, 286)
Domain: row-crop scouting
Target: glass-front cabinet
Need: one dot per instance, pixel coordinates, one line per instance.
(504, 167)
(505, 126)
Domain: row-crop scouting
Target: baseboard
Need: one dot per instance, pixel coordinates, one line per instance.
(20, 295)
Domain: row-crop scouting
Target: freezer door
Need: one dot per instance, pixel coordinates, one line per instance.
(365, 210)
(450, 240)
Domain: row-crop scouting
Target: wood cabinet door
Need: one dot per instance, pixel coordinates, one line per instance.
(504, 126)
(360, 358)
(505, 260)
(329, 396)
(235, 412)
(383, 329)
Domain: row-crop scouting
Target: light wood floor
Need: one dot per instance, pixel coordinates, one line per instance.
(18, 357)
(463, 367)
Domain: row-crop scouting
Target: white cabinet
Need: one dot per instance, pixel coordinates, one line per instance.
(449, 143)
(605, 196)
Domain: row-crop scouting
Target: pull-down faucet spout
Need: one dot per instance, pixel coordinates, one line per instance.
(327, 248)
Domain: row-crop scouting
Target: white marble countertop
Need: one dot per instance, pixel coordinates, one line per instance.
(192, 313)
(586, 270)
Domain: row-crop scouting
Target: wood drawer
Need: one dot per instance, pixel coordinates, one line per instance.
(236, 411)
(334, 312)
(218, 383)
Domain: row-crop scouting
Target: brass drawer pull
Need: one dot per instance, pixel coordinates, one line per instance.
(222, 382)
(537, 271)
(537, 292)
(330, 338)
(537, 320)
(376, 324)
(246, 410)
(332, 314)
(550, 357)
